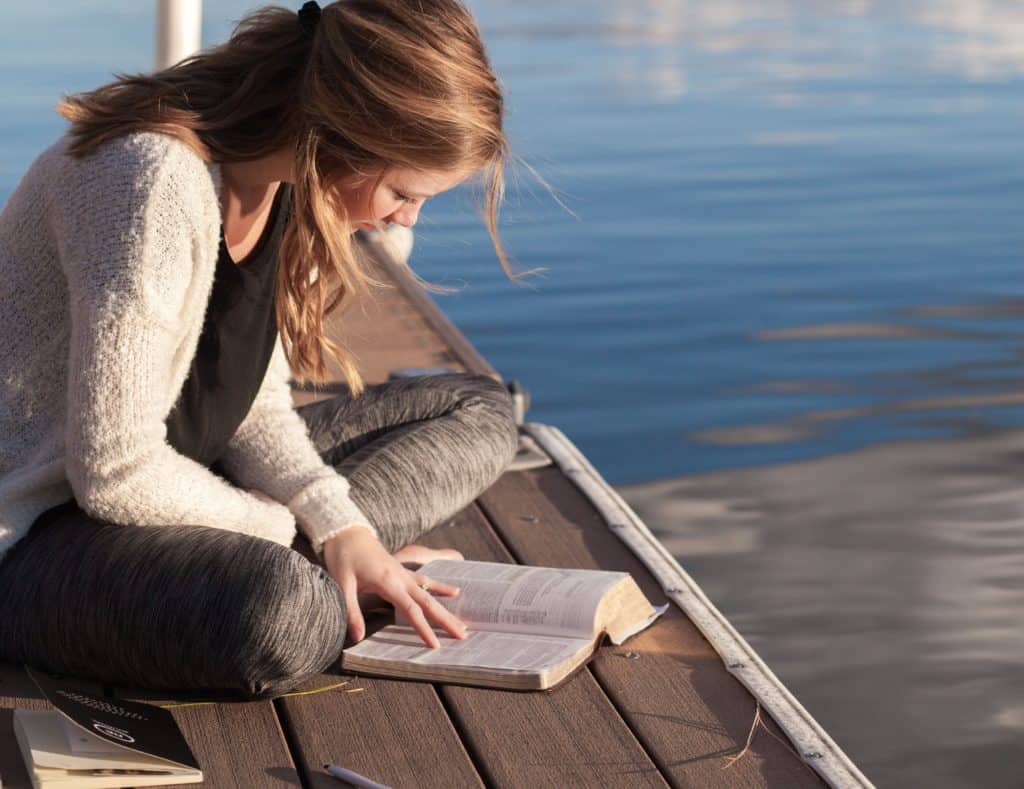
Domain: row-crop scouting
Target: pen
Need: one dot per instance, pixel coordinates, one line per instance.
(353, 778)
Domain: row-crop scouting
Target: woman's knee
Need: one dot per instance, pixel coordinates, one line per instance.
(491, 402)
(171, 608)
(294, 624)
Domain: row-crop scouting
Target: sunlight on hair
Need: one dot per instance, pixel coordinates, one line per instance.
(379, 83)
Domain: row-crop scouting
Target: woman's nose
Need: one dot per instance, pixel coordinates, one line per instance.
(405, 216)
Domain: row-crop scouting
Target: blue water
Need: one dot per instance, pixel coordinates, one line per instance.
(790, 230)
(732, 180)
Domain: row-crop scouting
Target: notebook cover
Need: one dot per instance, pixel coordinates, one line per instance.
(145, 728)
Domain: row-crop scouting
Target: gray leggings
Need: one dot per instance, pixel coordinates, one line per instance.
(192, 607)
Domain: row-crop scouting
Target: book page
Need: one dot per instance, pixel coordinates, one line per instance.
(636, 627)
(516, 598)
(511, 652)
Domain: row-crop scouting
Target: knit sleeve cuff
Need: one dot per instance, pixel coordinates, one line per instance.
(324, 509)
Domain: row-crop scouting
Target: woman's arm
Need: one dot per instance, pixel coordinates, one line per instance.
(271, 451)
(130, 239)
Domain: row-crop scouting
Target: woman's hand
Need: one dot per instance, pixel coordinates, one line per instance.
(356, 559)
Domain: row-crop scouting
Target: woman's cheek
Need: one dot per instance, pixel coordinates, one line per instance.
(385, 209)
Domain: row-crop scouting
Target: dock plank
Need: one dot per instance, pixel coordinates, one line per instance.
(569, 736)
(396, 733)
(435, 327)
(386, 331)
(237, 743)
(390, 731)
(687, 710)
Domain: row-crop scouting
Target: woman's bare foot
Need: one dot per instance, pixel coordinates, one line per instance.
(418, 555)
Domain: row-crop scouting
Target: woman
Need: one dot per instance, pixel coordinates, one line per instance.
(164, 264)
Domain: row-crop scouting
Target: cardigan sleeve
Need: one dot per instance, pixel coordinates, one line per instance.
(271, 451)
(129, 246)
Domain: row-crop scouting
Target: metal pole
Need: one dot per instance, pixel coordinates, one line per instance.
(178, 24)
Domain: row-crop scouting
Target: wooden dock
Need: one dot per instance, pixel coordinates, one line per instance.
(661, 710)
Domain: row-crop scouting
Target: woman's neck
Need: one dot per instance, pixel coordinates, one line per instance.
(250, 181)
(246, 197)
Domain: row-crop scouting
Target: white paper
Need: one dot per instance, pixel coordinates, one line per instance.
(510, 652)
(619, 638)
(515, 598)
(80, 742)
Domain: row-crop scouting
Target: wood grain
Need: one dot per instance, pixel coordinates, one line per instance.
(237, 743)
(438, 324)
(396, 733)
(687, 710)
(385, 332)
(569, 736)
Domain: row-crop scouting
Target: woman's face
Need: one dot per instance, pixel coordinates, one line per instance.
(398, 198)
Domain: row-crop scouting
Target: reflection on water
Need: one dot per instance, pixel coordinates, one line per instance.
(885, 587)
(977, 39)
(965, 390)
(794, 218)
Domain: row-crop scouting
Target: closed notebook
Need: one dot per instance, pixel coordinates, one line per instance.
(92, 741)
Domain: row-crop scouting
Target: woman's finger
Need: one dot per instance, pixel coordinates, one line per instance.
(443, 589)
(439, 614)
(414, 615)
(435, 587)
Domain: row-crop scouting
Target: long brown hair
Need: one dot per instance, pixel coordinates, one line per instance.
(375, 83)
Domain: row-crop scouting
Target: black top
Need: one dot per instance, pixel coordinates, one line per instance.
(237, 340)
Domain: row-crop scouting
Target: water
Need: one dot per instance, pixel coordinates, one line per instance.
(785, 319)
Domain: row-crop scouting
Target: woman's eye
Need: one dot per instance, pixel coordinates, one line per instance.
(404, 198)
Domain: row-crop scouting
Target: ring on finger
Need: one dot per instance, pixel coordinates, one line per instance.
(424, 584)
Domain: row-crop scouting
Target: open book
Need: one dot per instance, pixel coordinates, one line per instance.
(93, 741)
(529, 627)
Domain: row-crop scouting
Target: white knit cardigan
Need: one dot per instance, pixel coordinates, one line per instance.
(106, 268)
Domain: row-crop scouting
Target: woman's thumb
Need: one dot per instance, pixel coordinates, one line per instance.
(356, 625)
